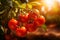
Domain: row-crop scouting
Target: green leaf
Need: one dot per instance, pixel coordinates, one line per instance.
(44, 27)
(16, 3)
(29, 6)
(35, 3)
(23, 6)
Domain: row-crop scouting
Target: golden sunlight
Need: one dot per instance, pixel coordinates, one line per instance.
(58, 1)
(49, 2)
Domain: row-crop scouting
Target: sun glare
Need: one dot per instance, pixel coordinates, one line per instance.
(49, 3)
(58, 1)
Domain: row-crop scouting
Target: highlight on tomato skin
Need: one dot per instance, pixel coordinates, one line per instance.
(21, 32)
(12, 24)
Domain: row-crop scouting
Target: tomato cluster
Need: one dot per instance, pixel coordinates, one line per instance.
(28, 22)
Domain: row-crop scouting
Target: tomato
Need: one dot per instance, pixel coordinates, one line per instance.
(40, 21)
(21, 32)
(31, 27)
(12, 24)
(23, 18)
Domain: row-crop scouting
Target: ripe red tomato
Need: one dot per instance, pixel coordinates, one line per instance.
(21, 32)
(12, 24)
(31, 27)
(40, 21)
(23, 18)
